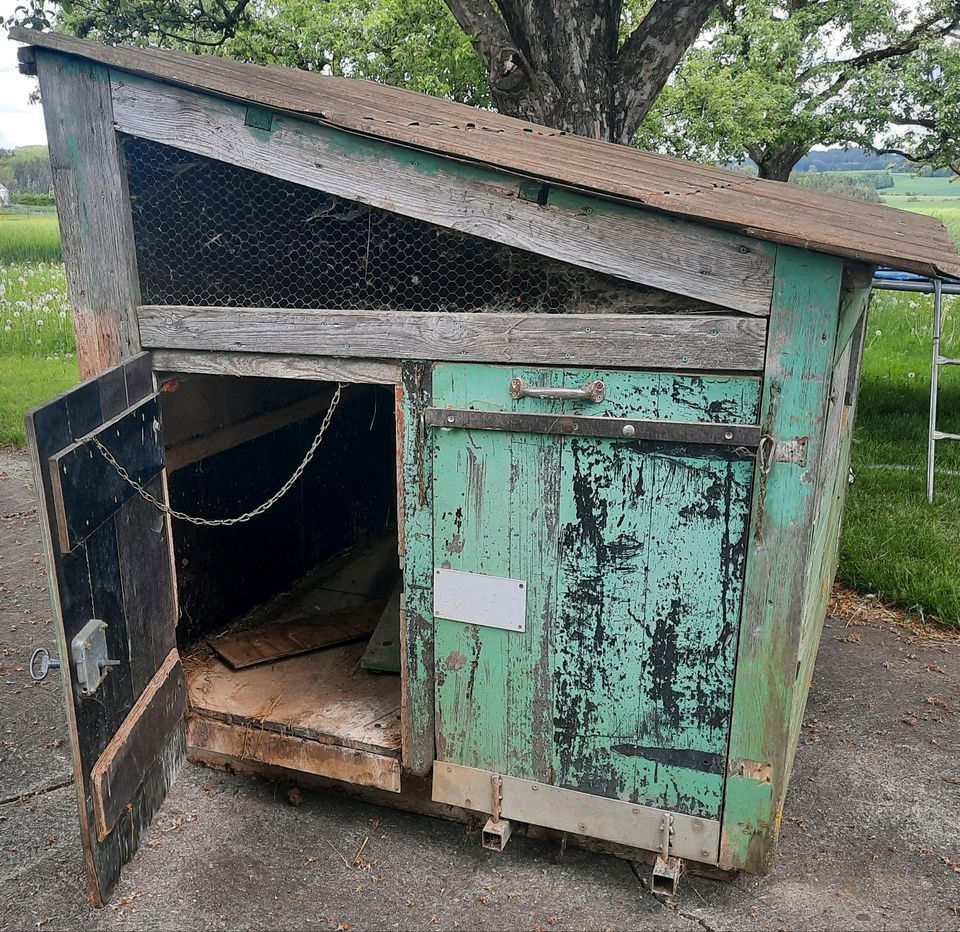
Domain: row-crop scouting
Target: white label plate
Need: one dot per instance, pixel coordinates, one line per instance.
(479, 599)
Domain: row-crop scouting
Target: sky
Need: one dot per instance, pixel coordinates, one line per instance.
(21, 123)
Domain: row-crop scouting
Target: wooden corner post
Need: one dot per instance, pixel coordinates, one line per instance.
(96, 228)
(795, 401)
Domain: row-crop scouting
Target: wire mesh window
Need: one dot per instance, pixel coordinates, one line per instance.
(211, 233)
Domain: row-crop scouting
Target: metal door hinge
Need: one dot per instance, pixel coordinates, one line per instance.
(91, 662)
(770, 451)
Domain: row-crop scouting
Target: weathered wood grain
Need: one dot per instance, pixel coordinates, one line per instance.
(382, 653)
(767, 209)
(95, 224)
(123, 574)
(700, 262)
(832, 489)
(415, 522)
(321, 696)
(300, 635)
(648, 341)
(621, 684)
(121, 768)
(87, 490)
(241, 429)
(240, 743)
(795, 404)
(266, 365)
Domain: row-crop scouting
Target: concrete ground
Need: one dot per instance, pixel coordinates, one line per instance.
(870, 836)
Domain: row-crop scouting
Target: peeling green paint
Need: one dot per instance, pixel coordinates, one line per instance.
(621, 684)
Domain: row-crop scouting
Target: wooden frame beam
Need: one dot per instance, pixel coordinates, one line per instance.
(276, 366)
(656, 341)
(93, 206)
(698, 261)
(795, 405)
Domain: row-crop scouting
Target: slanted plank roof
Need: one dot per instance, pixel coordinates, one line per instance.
(766, 210)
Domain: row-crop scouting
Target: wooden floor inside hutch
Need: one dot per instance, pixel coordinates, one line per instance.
(315, 709)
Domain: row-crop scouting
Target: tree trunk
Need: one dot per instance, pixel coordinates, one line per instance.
(559, 62)
(776, 163)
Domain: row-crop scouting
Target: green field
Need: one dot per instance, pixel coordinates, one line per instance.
(894, 544)
(29, 235)
(36, 337)
(907, 185)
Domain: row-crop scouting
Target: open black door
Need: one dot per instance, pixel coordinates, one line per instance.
(109, 562)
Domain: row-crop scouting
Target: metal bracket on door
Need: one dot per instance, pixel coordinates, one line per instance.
(692, 432)
(90, 657)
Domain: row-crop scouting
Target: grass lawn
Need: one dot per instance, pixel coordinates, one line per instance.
(894, 543)
(28, 236)
(26, 382)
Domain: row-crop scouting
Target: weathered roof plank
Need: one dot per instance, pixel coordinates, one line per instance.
(765, 210)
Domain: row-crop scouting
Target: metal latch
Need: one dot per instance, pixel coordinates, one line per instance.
(89, 652)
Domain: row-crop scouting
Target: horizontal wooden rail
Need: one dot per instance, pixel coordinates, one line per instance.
(648, 341)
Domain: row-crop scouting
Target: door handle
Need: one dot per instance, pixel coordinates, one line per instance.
(593, 390)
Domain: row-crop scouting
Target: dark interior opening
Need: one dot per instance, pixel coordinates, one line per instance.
(288, 622)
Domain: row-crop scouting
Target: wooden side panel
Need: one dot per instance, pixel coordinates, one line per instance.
(795, 403)
(651, 577)
(702, 262)
(633, 556)
(122, 574)
(496, 510)
(81, 476)
(95, 225)
(415, 521)
(833, 485)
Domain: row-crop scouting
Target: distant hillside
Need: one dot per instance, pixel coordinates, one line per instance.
(26, 170)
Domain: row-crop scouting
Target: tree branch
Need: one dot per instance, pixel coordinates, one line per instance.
(651, 52)
(923, 30)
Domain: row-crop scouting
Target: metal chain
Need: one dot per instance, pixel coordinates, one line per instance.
(222, 522)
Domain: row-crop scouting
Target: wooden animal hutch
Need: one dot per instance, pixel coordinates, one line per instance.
(584, 479)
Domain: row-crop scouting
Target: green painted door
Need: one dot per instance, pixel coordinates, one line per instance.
(632, 554)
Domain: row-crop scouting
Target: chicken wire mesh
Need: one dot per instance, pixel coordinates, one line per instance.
(211, 233)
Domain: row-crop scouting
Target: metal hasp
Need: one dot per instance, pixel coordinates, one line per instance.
(666, 869)
(90, 660)
(594, 391)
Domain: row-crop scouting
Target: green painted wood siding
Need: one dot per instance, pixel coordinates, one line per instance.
(633, 556)
(801, 347)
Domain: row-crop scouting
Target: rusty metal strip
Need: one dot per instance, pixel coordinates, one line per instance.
(695, 432)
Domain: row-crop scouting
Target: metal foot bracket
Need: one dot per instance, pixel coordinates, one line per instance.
(666, 869)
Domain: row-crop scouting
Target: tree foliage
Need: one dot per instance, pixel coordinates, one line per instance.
(592, 67)
(26, 170)
(776, 77)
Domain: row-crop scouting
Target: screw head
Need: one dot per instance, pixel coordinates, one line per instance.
(628, 430)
